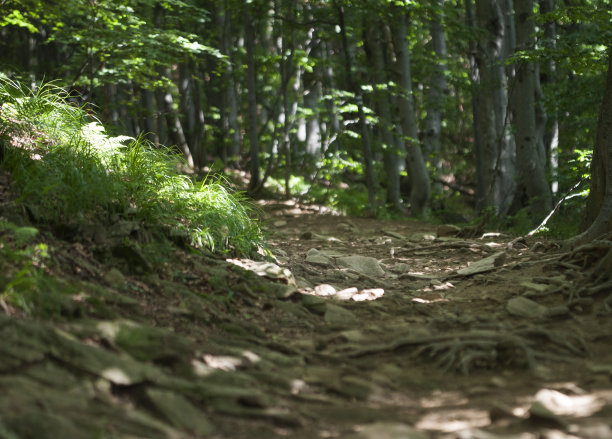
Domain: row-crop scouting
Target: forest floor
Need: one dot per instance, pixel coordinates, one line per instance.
(361, 329)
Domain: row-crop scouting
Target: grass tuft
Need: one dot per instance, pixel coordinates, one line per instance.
(67, 169)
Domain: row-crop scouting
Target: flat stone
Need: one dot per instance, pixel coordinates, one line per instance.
(318, 260)
(336, 315)
(483, 265)
(266, 269)
(346, 293)
(314, 304)
(369, 294)
(534, 286)
(393, 234)
(523, 307)
(180, 412)
(400, 267)
(324, 290)
(362, 264)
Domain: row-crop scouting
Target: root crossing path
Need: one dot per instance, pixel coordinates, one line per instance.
(439, 331)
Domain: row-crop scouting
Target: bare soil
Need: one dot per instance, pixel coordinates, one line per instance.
(445, 355)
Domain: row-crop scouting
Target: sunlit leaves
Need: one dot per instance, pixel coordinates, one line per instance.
(16, 18)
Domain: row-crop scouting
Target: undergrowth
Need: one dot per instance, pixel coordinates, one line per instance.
(67, 169)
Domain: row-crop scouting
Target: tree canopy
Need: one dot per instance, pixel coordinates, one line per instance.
(437, 107)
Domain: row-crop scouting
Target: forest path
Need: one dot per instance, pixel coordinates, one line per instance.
(363, 329)
(436, 331)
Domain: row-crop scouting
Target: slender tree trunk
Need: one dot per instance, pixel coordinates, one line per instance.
(392, 157)
(252, 99)
(231, 128)
(497, 149)
(198, 139)
(175, 127)
(474, 81)
(436, 91)
(415, 163)
(365, 135)
(547, 70)
(287, 50)
(531, 161)
(150, 114)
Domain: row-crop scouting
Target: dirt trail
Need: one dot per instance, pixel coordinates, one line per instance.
(363, 329)
(520, 347)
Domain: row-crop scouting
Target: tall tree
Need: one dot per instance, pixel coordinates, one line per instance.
(354, 88)
(531, 156)
(437, 88)
(598, 214)
(415, 163)
(497, 152)
(252, 97)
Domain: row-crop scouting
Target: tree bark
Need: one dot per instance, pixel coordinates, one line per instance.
(175, 127)
(531, 160)
(436, 91)
(417, 170)
(392, 157)
(252, 99)
(365, 135)
(496, 155)
(598, 214)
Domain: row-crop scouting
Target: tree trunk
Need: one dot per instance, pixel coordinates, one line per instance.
(365, 135)
(417, 170)
(392, 157)
(531, 161)
(496, 154)
(548, 70)
(436, 91)
(598, 215)
(252, 99)
(229, 123)
(175, 127)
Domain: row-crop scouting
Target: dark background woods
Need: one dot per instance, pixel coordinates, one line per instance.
(450, 107)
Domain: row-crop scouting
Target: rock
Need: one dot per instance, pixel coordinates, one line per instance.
(394, 235)
(115, 279)
(313, 252)
(346, 294)
(318, 260)
(354, 387)
(338, 316)
(534, 286)
(314, 304)
(483, 265)
(362, 264)
(324, 290)
(400, 268)
(447, 230)
(523, 307)
(369, 294)
(279, 223)
(180, 412)
(266, 269)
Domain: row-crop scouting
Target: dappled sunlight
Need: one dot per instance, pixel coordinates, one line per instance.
(453, 420)
(580, 405)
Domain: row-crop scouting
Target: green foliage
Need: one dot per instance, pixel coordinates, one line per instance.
(68, 169)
